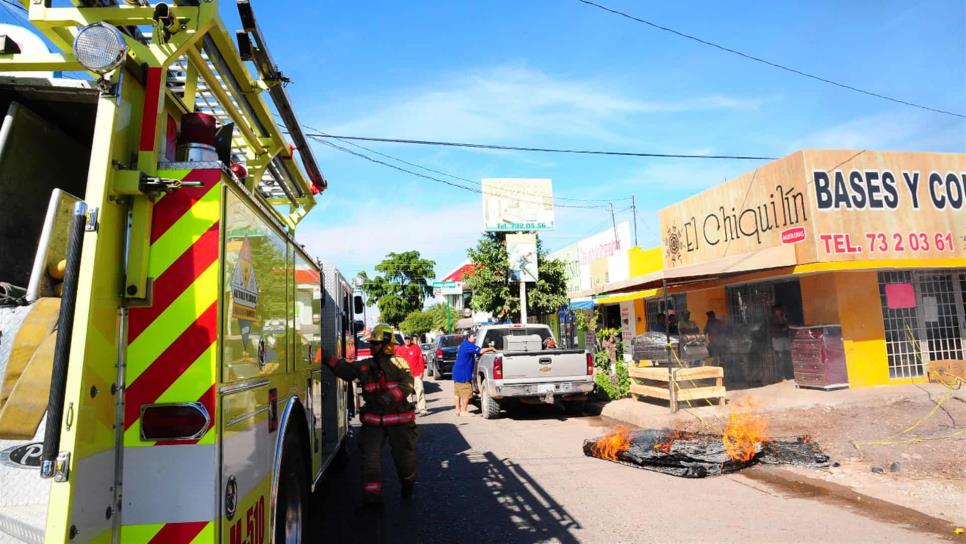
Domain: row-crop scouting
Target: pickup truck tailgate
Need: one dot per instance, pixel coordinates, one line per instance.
(544, 364)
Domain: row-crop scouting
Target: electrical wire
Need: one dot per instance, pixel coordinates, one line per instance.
(453, 176)
(473, 181)
(433, 178)
(14, 4)
(542, 149)
(770, 63)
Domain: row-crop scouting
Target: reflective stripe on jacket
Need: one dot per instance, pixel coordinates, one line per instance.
(386, 384)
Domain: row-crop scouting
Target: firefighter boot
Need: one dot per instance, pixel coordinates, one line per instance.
(402, 439)
(371, 439)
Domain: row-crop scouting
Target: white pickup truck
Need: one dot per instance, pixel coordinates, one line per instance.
(526, 368)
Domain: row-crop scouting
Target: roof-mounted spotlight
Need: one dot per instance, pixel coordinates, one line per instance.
(100, 48)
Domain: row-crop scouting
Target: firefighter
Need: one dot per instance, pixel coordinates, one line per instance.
(386, 384)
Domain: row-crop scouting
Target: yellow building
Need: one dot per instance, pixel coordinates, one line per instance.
(871, 242)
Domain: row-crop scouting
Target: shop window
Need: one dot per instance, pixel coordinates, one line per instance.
(924, 314)
(941, 307)
(678, 303)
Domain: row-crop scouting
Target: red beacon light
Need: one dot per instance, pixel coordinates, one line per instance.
(239, 170)
(197, 141)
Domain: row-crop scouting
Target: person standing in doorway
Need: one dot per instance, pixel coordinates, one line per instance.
(661, 324)
(781, 343)
(411, 352)
(714, 330)
(463, 372)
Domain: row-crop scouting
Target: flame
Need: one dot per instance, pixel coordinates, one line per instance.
(612, 444)
(664, 446)
(745, 432)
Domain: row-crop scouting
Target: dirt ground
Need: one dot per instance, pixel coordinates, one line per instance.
(922, 469)
(875, 437)
(900, 450)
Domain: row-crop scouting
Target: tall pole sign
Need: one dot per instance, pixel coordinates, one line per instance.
(522, 253)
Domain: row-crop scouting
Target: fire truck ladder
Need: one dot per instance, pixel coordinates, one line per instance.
(205, 72)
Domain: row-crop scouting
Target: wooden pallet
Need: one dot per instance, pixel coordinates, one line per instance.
(677, 385)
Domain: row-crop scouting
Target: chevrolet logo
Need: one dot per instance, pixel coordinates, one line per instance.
(545, 369)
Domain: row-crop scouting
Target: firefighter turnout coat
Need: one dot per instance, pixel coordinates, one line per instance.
(388, 413)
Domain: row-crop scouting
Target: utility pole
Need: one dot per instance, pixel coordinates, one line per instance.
(613, 221)
(523, 301)
(634, 210)
(449, 318)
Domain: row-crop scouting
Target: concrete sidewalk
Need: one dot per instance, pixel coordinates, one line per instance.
(779, 397)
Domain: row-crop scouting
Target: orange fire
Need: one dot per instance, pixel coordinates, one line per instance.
(746, 430)
(665, 445)
(610, 445)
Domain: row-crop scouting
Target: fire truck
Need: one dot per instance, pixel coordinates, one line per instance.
(162, 330)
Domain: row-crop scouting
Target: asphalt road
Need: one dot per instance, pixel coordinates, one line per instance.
(524, 478)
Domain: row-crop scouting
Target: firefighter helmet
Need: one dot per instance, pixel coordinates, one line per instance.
(382, 333)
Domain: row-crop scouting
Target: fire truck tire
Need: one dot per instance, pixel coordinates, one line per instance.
(488, 405)
(292, 508)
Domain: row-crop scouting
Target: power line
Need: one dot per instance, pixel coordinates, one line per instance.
(541, 149)
(768, 62)
(321, 133)
(17, 5)
(425, 176)
(473, 181)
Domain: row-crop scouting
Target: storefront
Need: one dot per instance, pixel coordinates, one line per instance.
(871, 244)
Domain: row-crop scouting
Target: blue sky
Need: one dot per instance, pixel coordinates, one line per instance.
(563, 74)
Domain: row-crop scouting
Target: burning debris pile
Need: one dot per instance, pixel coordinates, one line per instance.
(743, 443)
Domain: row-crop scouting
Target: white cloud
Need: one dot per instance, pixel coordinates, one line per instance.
(375, 229)
(511, 103)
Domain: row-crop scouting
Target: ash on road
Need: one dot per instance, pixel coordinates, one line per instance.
(524, 478)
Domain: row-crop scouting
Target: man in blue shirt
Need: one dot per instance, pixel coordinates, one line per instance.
(463, 372)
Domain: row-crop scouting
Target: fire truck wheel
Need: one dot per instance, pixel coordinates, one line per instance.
(489, 406)
(292, 508)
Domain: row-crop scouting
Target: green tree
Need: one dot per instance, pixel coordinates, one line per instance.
(417, 323)
(430, 319)
(492, 290)
(400, 286)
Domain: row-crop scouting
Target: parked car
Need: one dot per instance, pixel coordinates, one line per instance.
(363, 350)
(528, 367)
(427, 349)
(444, 355)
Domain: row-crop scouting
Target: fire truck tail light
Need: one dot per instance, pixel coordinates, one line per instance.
(186, 421)
(100, 47)
(498, 368)
(590, 364)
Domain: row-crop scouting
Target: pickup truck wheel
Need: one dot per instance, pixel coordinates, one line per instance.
(488, 405)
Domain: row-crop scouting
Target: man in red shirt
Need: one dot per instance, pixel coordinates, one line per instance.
(417, 364)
